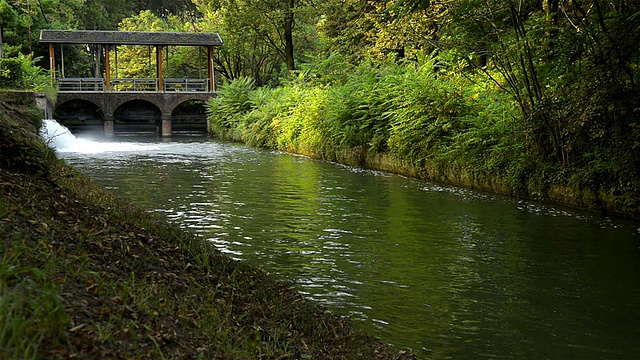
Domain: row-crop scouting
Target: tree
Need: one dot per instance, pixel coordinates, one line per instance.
(278, 25)
(137, 61)
(8, 17)
(379, 29)
(242, 54)
(166, 8)
(571, 66)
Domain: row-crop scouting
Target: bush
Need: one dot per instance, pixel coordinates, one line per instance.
(226, 110)
(11, 74)
(22, 73)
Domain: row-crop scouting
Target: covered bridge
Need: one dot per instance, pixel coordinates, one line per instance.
(165, 104)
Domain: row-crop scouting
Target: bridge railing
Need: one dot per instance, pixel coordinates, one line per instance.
(132, 84)
(81, 84)
(180, 84)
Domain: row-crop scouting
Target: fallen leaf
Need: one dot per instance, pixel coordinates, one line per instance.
(92, 289)
(77, 328)
(118, 300)
(101, 311)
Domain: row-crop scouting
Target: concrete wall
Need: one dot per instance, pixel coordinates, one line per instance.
(44, 102)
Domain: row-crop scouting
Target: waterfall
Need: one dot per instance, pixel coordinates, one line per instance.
(58, 136)
(61, 139)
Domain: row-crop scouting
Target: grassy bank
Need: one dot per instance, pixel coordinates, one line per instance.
(437, 123)
(86, 275)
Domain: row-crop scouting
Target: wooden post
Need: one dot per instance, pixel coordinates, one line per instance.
(62, 60)
(107, 65)
(52, 64)
(115, 53)
(159, 70)
(211, 69)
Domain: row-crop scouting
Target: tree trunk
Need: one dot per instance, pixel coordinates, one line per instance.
(481, 59)
(551, 8)
(96, 51)
(1, 41)
(288, 37)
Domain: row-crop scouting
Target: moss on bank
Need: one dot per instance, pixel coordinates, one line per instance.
(84, 274)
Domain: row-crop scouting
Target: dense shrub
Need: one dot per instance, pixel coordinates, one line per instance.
(407, 110)
(11, 75)
(225, 112)
(22, 73)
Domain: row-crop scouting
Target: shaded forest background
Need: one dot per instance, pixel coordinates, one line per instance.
(535, 93)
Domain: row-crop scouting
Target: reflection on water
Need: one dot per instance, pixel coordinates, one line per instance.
(447, 272)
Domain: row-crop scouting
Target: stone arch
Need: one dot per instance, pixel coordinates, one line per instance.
(70, 102)
(175, 101)
(143, 115)
(190, 116)
(118, 102)
(80, 115)
(193, 104)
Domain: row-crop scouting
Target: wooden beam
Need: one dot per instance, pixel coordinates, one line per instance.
(62, 60)
(52, 64)
(107, 65)
(211, 69)
(115, 53)
(159, 71)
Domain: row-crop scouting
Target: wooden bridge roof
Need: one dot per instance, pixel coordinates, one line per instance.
(129, 38)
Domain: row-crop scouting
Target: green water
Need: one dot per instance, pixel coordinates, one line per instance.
(446, 272)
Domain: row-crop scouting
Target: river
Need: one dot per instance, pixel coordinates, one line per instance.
(446, 272)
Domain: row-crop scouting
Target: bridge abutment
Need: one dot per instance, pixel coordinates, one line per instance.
(45, 104)
(109, 126)
(167, 126)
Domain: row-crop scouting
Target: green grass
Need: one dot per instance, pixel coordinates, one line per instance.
(31, 313)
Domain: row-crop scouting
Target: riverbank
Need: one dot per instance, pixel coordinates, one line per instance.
(85, 274)
(462, 131)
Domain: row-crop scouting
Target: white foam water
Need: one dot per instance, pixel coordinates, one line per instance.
(61, 139)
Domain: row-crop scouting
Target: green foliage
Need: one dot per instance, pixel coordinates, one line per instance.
(8, 15)
(31, 314)
(417, 130)
(137, 61)
(257, 124)
(262, 39)
(225, 111)
(489, 140)
(403, 110)
(34, 77)
(10, 73)
(296, 125)
(23, 73)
